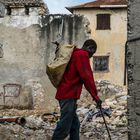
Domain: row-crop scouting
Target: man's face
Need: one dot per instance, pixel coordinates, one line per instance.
(92, 50)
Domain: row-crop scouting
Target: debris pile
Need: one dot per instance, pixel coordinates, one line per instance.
(41, 126)
(105, 88)
(34, 129)
(115, 105)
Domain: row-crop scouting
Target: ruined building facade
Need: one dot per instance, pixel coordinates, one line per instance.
(108, 27)
(26, 49)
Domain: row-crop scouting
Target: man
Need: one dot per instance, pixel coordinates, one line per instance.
(77, 73)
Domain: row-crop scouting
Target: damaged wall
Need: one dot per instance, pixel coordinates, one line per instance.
(23, 59)
(133, 57)
(19, 19)
(67, 29)
(110, 42)
(25, 53)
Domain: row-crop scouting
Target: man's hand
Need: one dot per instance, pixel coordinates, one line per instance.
(99, 104)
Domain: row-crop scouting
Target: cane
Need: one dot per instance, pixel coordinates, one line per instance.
(105, 123)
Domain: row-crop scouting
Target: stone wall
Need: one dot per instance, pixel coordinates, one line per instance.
(67, 29)
(133, 58)
(24, 53)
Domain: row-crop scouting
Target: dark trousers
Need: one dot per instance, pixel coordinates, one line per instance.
(69, 123)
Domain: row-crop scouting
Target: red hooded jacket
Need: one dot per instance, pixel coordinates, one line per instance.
(77, 73)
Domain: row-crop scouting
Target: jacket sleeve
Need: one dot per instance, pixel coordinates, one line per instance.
(85, 72)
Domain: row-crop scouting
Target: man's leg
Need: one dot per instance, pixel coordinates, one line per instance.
(74, 132)
(67, 114)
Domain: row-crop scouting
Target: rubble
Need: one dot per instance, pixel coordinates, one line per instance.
(106, 89)
(34, 129)
(115, 99)
(40, 125)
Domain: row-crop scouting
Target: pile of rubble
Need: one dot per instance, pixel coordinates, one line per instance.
(41, 127)
(107, 89)
(115, 111)
(34, 129)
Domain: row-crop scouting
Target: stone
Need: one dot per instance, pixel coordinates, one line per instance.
(124, 119)
(120, 107)
(117, 113)
(118, 95)
(116, 120)
(112, 127)
(88, 134)
(92, 107)
(123, 103)
(111, 87)
(120, 124)
(82, 111)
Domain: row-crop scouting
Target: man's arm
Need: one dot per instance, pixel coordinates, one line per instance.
(85, 72)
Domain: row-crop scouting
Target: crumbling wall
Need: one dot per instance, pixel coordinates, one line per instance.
(66, 29)
(133, 57)
(23, 63)
(24, 53)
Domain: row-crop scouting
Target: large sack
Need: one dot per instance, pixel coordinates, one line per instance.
(56, 69)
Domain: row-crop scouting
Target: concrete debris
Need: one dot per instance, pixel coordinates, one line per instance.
(40, 126)
(115, 99)
(34, 129)
(106, 89)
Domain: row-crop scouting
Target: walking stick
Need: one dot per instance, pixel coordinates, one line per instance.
(105, 123)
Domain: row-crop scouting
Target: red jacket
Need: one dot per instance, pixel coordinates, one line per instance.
(77, 73)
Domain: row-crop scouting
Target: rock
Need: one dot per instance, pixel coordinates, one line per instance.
(112, 127)
(120, 107)
(82, 111)
(111, 105)
(34, 122)
(124, 119)
(99, 125)
(123, 103)
(50, 117)
(28, 132)
(116, 120)
(118, 95)
(120, 124)
(117, 113)
(88, 134)
(99, 120)
(93, 107)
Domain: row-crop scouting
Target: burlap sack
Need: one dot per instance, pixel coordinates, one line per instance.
(56, 69)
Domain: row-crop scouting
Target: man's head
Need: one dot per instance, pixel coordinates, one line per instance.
(90, 46)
